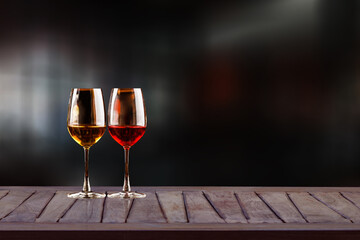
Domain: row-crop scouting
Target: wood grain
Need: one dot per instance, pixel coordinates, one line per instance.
(84, 211)
(172, 203)
(353, 197)
(199, 209)
(255, 209)
(313, 210)
(31, 208)
(12, 200)
(56, 208)
(3, 193)
(146, 210)
(116, 210)
(282, 206)
(226, 205)
(339, 204)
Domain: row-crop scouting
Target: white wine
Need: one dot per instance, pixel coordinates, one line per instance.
(86, 136)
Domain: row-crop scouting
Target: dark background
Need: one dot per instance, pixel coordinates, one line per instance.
(237, 92)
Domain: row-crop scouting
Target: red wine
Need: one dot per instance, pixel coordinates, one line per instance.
(127, 136)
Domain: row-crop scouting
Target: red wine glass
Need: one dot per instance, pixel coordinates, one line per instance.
(127, 124)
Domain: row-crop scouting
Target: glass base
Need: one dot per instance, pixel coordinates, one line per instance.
(123, 194)
(83, 195)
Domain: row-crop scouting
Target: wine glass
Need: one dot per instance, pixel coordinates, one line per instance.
(127, 124)
(86, 125)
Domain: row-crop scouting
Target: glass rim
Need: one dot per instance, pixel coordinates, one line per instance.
(126, 88)
(97, 88)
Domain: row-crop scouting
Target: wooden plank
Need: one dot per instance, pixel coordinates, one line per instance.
(226, 205)
(84, 210)
(12, 200)
(199, 209)
(313, 210)
(353, 197)
(56, 208)
(172, 203)
(146, 210)
(255, 210)
(280, 203)
(29, 210)
(179, 227)
(339, 204)
(116, 210)
(3, 193)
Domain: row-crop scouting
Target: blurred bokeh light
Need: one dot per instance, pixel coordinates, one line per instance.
(237, 92)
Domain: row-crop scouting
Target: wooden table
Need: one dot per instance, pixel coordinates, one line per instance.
(182, 213)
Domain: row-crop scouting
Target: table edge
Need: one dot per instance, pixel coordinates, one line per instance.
(176, 227)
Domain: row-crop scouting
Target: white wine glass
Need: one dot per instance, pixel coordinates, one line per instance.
(86, 125)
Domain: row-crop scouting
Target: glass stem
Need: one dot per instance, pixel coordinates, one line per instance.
(126, 187)
(86, 186)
